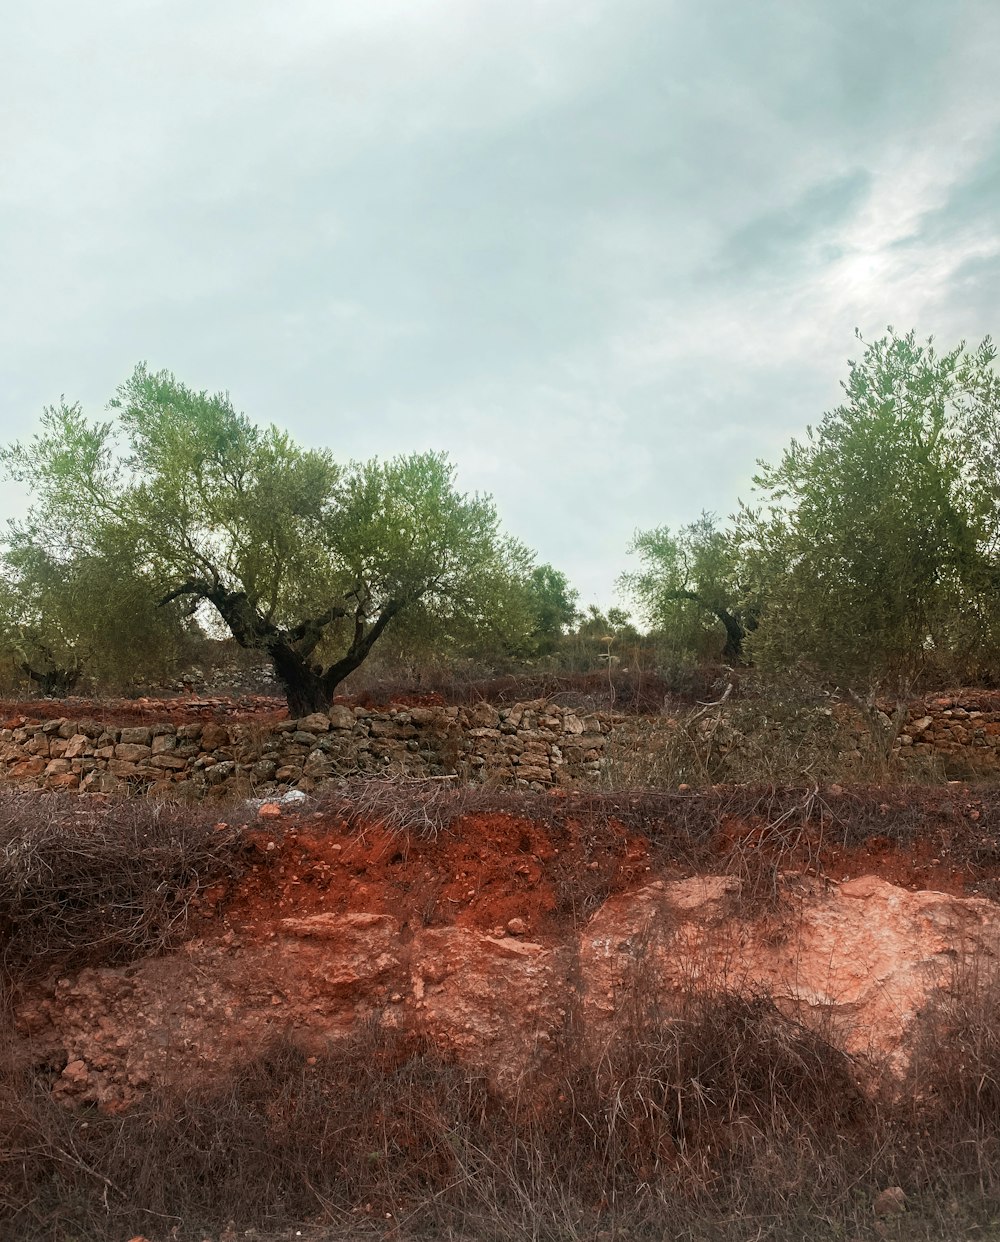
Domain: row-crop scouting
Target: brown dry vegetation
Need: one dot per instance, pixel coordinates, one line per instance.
(725, 1121)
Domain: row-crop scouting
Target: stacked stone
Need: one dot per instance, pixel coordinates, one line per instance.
(90, 756)
(529, 744)
(952, 727)
(535, 744)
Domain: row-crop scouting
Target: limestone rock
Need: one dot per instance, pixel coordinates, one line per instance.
(132, 752)
(79, 744)
(213, 736)
(341, 717)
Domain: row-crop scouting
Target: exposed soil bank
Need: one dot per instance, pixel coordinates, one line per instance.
(497, 935)
(419, 1011)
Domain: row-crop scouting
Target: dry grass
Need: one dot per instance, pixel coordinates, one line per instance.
(683, 825)
(81, 881)
(633, 690)
(759, 738)
(953, 1086)
(722, 1120)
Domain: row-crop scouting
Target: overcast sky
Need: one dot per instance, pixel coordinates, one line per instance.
(605, 252)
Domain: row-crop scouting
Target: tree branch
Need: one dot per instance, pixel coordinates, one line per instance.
(308, 633)
(194, 586)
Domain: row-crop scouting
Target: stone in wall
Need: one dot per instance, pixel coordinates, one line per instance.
(959, 733)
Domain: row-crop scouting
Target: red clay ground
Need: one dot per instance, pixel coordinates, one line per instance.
(482, 872)
(551, 872)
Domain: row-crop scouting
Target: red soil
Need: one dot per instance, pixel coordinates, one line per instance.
(183, 709)
(485, 870)
(176, 710)
(482, 872)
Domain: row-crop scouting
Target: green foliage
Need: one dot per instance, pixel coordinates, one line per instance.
(875, 549)
(598, 640)
(303, 558)
(553, 606)
(92, 617)
(692, 588)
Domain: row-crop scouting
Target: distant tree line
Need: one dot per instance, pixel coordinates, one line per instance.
(868, 557)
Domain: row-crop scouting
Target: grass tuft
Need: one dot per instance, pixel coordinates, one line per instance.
(82, 882)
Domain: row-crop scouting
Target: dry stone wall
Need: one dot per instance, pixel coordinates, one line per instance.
(961, 731)
(536, 744)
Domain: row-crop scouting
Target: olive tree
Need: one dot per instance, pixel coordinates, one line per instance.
(876, 539)
(34, 637)
(553, 606)
(302, 558)
(692, 583)
(66, 618)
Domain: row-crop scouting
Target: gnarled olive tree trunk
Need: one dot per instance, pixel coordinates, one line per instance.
(308, 686)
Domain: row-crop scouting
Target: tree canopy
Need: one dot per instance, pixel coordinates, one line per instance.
(876, 542)
(301, 557)
(553, 607)
(870, 557)
(65, 619)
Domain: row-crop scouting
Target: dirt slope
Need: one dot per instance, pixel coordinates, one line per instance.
(499, 931)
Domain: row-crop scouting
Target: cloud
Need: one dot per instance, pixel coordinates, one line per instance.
(794, 234)
(606, 253)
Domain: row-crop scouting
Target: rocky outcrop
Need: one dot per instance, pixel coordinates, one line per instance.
(535, 744)
(860, 961)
